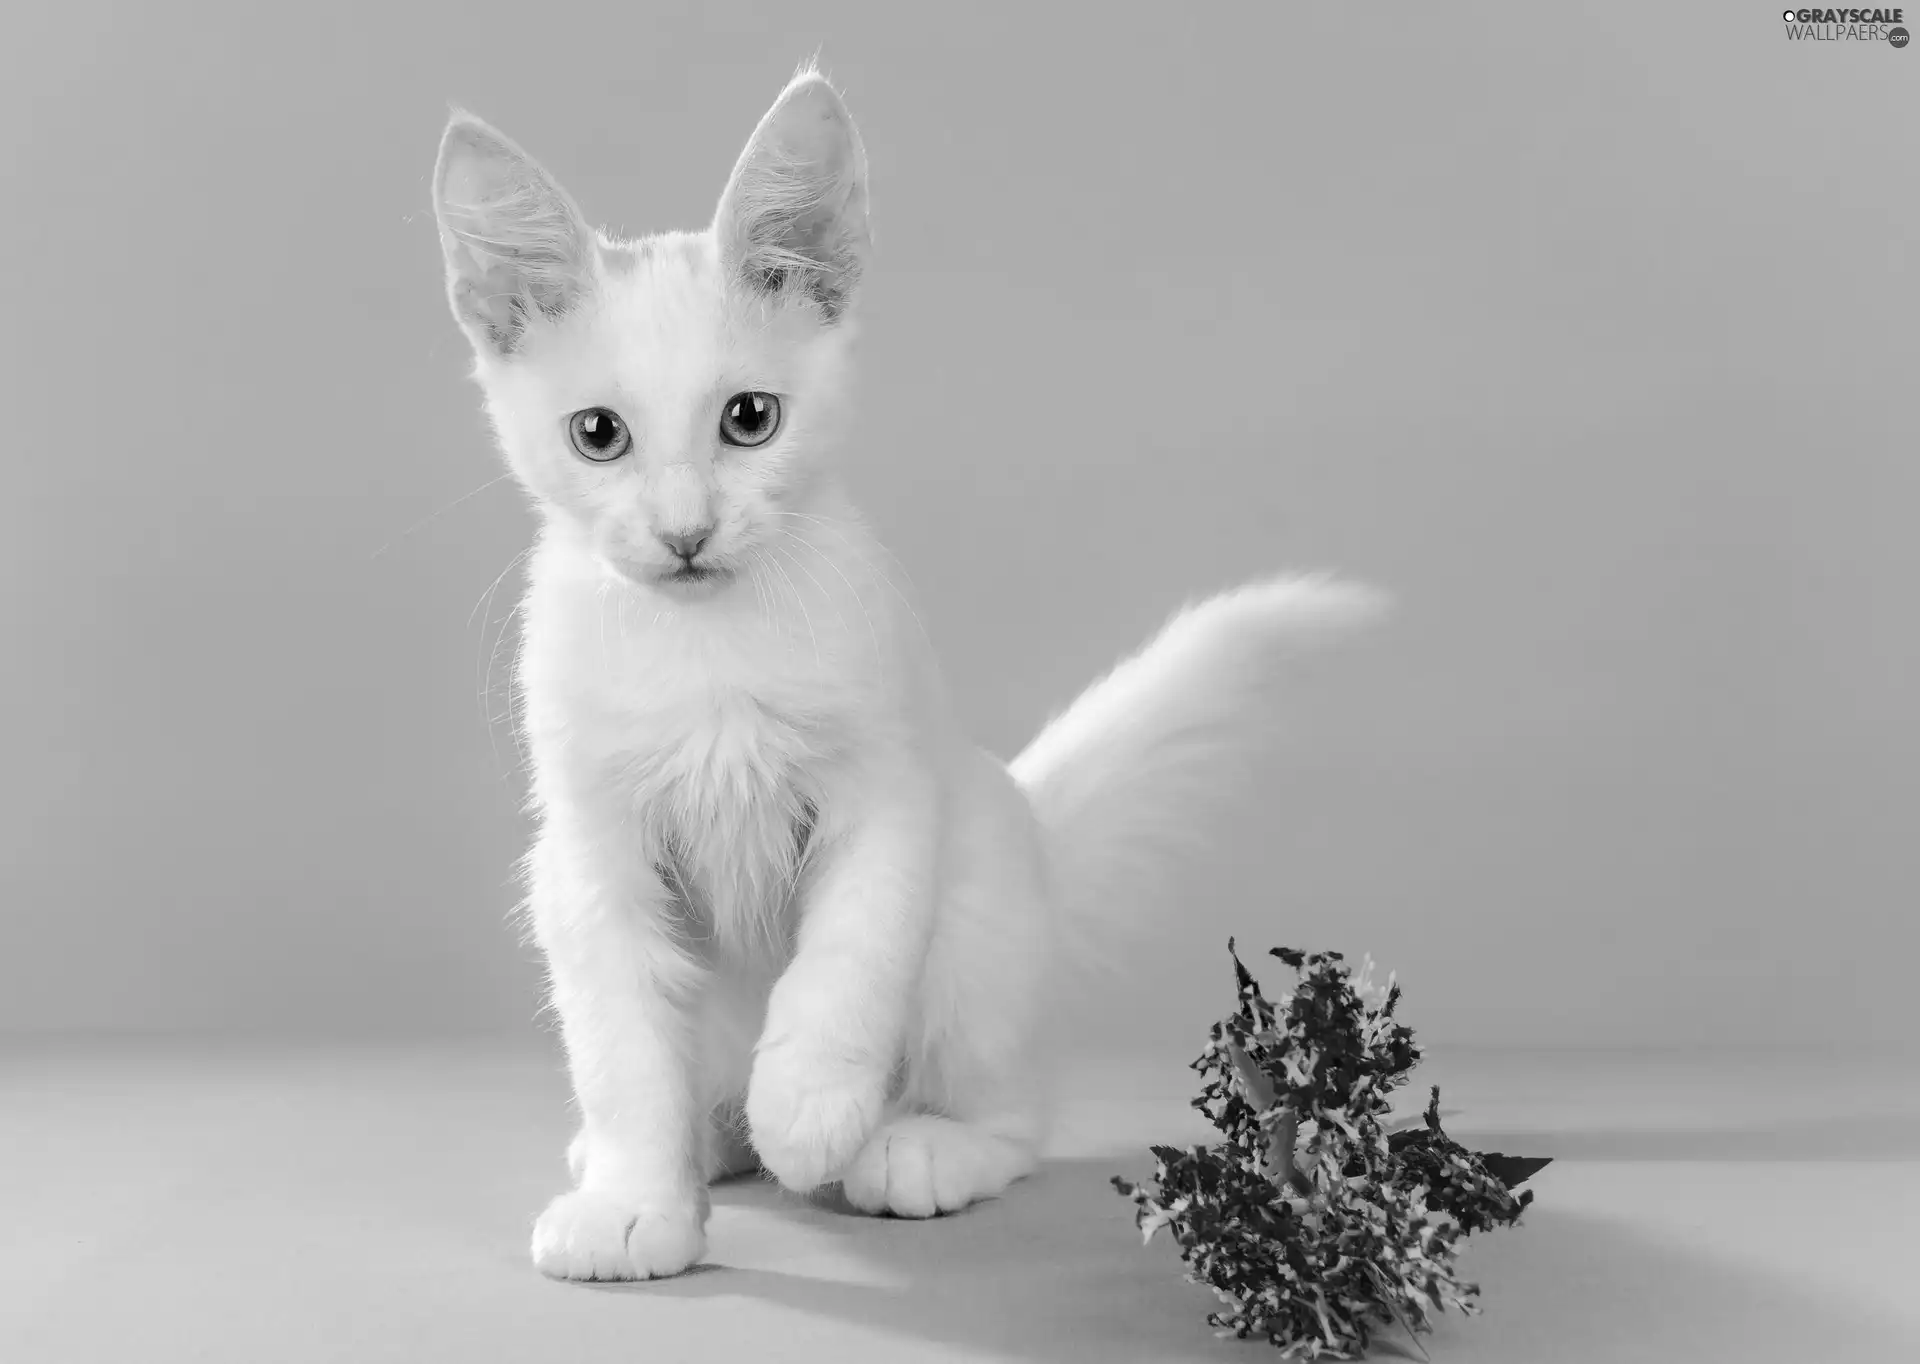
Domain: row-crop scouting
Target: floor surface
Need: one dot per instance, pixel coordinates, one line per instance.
(258, 1205)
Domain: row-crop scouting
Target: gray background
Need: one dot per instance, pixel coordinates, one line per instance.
(1587, 330)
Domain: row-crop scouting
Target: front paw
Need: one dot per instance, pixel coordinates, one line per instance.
(810, 1117)
(590, 1235)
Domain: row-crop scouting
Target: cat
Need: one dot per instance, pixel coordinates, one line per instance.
(790, 915)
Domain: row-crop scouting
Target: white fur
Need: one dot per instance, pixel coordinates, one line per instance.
(773, 882)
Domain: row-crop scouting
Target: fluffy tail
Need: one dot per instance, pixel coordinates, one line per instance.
(1130, 777)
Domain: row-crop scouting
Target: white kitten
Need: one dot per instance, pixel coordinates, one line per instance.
(781, 896)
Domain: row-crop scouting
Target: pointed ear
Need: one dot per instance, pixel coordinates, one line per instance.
(793, 219)
(515, 243)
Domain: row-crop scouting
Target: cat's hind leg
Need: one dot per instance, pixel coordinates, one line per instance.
(730, 1153)
(972, 1120)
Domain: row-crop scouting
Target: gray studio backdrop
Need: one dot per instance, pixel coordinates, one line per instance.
(1588, 330)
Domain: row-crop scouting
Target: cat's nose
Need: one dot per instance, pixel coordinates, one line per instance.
(687, 543)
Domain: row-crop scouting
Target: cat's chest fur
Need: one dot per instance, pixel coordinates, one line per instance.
(728, 794)
(703, 754)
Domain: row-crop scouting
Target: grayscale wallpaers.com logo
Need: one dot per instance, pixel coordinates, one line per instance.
(1846, 26)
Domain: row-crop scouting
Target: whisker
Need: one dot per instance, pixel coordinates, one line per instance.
(879, 654)
(493, 659)
(512, 563)
(858, 552)
(492, 651)
(801, 603)
(762, 589)
(435, 515)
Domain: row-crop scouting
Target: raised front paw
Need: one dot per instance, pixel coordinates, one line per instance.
(809, 1117)
(595, 1236)
(922, 1166)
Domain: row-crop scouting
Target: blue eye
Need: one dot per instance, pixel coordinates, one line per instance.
(599, 434)
(749, 419)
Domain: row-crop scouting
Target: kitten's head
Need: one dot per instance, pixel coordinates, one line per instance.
(667, 401)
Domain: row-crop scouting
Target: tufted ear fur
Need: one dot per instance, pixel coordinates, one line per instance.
(516, 246)
(793, 218)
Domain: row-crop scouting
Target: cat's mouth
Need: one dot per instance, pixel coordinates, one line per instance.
(694, 579)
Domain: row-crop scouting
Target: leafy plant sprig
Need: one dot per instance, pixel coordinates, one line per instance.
(1312, 1224)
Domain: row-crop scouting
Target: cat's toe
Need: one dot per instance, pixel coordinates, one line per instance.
(922, 1166)
(595, 1237)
